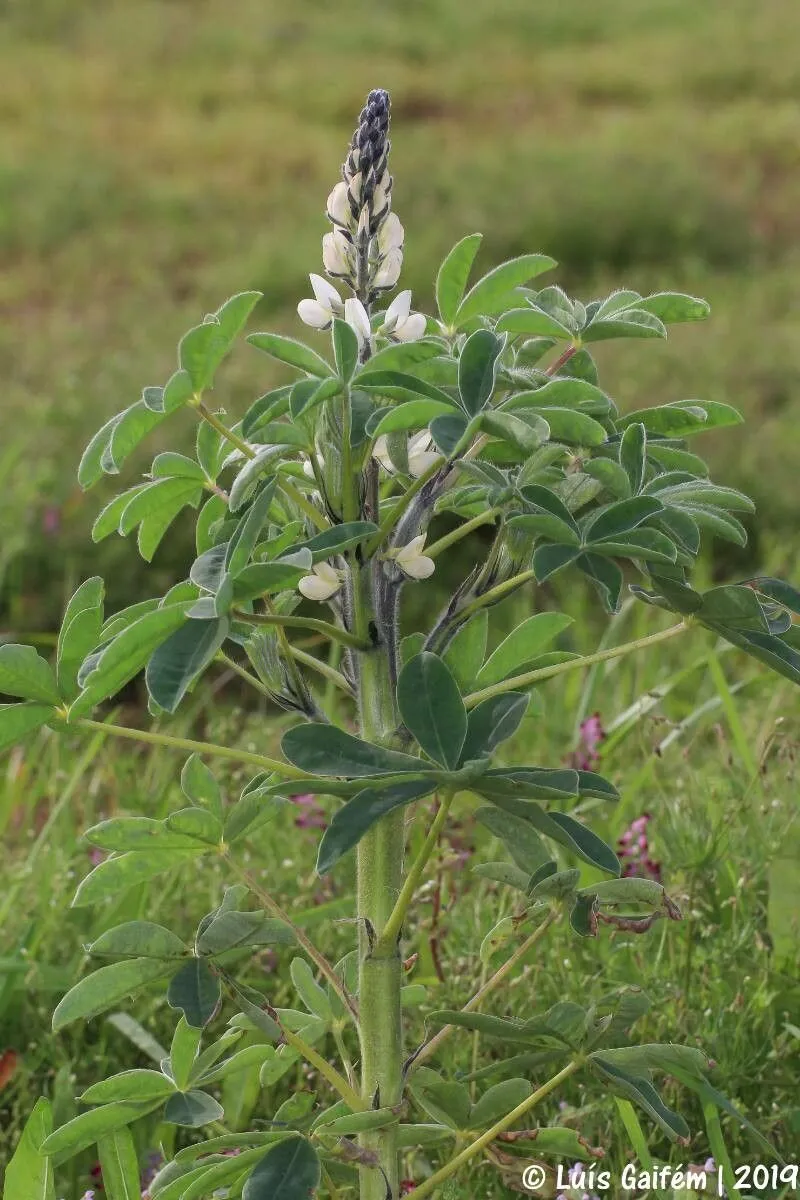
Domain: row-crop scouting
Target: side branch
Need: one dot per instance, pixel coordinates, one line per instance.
(195, 747)
(575, 664)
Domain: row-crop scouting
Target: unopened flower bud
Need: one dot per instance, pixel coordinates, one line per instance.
(336, 254)
(338, 206)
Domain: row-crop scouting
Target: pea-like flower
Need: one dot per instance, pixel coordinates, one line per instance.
(319, 313)
(400, 323)
(410, 559)
(357, 318)
(322, 584)
(420, 454)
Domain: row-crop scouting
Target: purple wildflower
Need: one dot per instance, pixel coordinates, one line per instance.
(633, 850)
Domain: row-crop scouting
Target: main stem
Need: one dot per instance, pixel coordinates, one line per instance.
(379, 876)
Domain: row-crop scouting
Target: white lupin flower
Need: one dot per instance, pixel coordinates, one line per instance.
(336, 253)
(412, 561)
(319, 313)
(391, 234)
(324, 583)
(420, 455)
(411, 329)
(400, 323)
(338, 206)
(388, 272)
(358, 319)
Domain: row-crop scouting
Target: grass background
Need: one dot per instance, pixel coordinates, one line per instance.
(155, 158)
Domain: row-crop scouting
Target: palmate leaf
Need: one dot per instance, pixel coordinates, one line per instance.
(228, 930)
(358, 815)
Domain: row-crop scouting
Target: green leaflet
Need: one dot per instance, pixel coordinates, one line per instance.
(358, 815)
(496, 291)
(432, 709)
(477, 370)
(290, 351)
(195, 990)
(18, 720)
(203, 348)
(451, 280)
(288, 1171)
(327, 750)
(106, 987)
(522, 645)
(24, 673)
(29, 1174)
(120, 1165)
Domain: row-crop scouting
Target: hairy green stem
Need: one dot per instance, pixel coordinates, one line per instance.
(317, 957)
(244, 674)
(181, 743)
(575, 664)
(334, 632)
(485, 989)
(469, 1152)
(390, 520)
(379, 874)
(392, 928)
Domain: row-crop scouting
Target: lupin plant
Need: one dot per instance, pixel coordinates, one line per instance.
(313, 516)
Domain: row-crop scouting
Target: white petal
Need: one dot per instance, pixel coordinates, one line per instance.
(420, 462)
(380, 199)
(326, 294)
(356, 316)
(338, 205)
(313, 314)
(419, 567)
(381, 452)
(414, 547)
(314, 588)
(335, 253)
(398, 311)
(327, 573)
(420, 441)
(388, 272)
(391, 234)
(411, 329)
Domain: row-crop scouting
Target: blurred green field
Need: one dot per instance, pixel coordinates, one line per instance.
(155, 158)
